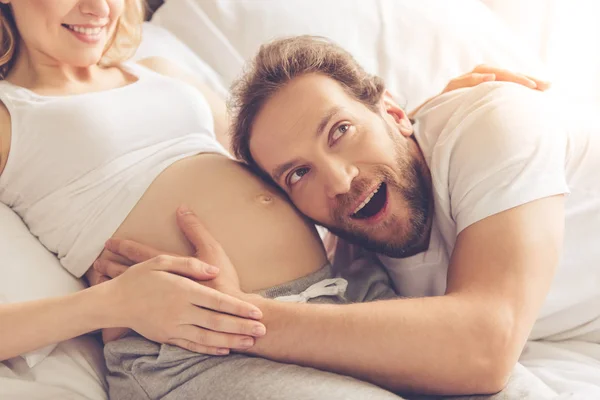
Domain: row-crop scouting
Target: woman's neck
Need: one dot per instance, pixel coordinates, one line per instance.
(33, 69)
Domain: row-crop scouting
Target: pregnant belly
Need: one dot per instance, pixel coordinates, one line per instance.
(267, 240)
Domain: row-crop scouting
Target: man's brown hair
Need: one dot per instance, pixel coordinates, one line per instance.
(280, 61)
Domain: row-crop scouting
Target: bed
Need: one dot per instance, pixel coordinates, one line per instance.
(415, 46)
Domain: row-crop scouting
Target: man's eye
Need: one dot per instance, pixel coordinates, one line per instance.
(340, 131)
(297, 175)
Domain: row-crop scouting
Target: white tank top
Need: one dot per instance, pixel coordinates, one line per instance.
(78, 164)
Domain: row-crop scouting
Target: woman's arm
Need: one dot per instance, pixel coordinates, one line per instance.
(158, 299)
(32, 325)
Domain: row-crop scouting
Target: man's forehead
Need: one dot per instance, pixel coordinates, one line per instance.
(300, 103)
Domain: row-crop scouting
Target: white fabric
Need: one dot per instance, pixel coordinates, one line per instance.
(159, 42)
(29, 271)
(565, 34)
(75, 370)
(497, 146)
(74, 173)
(326, 287)
(416, 46)
(570, 368)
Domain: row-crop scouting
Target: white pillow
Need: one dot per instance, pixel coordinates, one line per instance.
(158, 42)
(416, 46)
(29, 271)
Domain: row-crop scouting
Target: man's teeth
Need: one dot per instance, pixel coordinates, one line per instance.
(364, 203)
(86, 31)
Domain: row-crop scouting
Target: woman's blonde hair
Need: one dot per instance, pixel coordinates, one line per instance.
(123, 43)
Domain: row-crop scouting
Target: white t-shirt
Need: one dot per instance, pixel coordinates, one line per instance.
(494, 147)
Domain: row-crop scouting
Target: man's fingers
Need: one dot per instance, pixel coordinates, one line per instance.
(109, 268)
(207, 338)
(224, 323)
(133, 251)
(197, 348)
(214, 300)
(205, 245)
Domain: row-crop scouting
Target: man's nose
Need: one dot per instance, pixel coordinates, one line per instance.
(339, 177)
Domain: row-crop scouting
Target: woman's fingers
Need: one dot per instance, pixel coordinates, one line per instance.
(133, 251)
(188, 267)
(540, 84)
(224, 323)
(197, 348)
(201, 295)
(510, 76)
(207, 338)
(109, 268)
(95, 277)
(468, 80)
(214, 300)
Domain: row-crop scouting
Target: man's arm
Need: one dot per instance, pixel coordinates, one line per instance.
(462, 343)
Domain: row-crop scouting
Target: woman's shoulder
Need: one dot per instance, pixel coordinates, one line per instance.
(163, 66)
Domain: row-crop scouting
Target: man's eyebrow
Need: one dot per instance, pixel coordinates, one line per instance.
(326, 118)
(278, 171)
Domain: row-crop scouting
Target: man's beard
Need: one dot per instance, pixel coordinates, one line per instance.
(405, 240)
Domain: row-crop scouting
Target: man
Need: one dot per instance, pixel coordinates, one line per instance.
(485, 214)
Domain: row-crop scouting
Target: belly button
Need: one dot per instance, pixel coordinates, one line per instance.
(265, 198)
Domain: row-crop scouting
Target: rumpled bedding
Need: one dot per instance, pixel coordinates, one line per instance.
(567, 370)
(564, 370)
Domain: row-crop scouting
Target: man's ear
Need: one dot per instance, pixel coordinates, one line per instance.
(397, 113)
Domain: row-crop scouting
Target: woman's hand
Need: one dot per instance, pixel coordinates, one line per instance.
(486, 73)
(205, 318)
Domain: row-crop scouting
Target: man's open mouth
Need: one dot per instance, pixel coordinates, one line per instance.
(373, 204)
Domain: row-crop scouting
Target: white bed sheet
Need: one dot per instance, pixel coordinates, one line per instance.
(570, 368)
(74, 370)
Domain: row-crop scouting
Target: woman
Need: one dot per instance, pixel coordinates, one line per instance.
(92, 146)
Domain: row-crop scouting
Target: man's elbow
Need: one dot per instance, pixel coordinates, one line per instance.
(477, 375)
(498, 355)
(485, 355)
(492, 379)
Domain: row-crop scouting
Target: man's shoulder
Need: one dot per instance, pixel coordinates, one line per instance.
(502, 147)
(449, 110)
(440, 118)
(489, 118)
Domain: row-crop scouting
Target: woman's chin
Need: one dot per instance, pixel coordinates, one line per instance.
(84, 61)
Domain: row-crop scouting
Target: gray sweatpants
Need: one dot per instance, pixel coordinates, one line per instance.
(141, 369)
